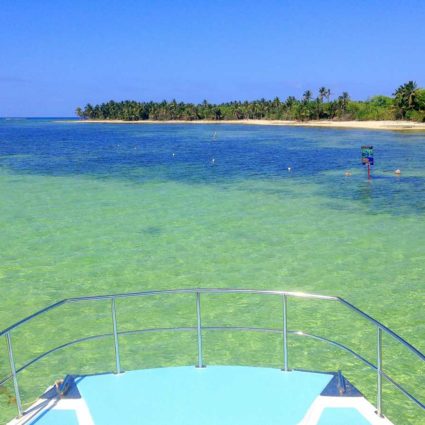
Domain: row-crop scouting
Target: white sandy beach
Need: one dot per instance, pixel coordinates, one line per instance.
(367, 125)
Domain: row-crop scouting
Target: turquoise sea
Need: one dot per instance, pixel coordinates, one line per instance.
(89, 209)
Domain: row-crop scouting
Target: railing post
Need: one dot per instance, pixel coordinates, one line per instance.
(379, 373)
(198, 313)
(285, 334)
(116, 342)
(13, 370)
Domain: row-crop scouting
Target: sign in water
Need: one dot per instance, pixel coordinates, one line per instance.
(367, 157)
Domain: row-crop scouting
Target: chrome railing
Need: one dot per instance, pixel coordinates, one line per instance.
(380, 329)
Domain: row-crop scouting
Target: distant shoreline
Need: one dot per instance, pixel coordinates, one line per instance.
(363, 125)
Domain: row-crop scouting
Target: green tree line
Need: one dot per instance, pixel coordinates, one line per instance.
(407, 103)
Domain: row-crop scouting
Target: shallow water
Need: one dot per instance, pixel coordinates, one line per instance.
(97, 209)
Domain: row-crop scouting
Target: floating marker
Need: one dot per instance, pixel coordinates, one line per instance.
(367, 158)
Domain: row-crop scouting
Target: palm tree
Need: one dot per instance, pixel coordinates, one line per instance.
(322, 93)
(318, 107)
(405, 98)
(290, 101)
(290, 104)
(328, 94)
(307, 96)
(79, 112)
(217, 114)
(343, 102)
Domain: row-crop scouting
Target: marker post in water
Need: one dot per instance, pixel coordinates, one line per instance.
(367, 158)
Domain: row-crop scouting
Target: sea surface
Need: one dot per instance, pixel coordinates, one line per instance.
(88, 209)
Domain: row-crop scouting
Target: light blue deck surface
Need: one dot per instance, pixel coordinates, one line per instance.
(56, 417)
(191, 396)
(335, 416)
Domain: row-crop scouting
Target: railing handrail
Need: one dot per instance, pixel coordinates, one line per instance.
(199, 328)
(219, 290)
(160, 292)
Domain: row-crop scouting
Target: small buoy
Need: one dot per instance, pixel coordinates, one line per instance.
(289, 169)
(347, 174)
(213, 160)
(397, 171)
(174, 154)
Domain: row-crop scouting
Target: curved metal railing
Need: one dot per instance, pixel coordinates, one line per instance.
(380, 329)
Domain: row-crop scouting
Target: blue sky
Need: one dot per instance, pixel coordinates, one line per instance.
(57, 55)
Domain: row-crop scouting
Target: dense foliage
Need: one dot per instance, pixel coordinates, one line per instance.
(408, 102)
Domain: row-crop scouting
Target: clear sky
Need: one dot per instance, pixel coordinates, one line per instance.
(56, 55)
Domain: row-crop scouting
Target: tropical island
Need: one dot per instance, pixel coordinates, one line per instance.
(406, 104)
